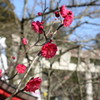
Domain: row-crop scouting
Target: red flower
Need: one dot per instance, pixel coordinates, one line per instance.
(37, 26)
(33, 85)
(67, 15)
(68, 20)
(49, 50)
(24, 41)
(57, 14)
(0, 72)
(21, 68)
(39, 13)
(63, 11)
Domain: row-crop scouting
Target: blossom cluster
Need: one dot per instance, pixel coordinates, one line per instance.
(49, 49)
(38, 27)
(66, 14)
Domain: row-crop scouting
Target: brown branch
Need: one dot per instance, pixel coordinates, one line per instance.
(92, 23)
(68, 6)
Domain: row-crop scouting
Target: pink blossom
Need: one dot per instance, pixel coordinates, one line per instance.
(37, 26)
(33, 85)
(70, 13)
(21, 68)
(0, 72)
(67, 15)
(63, 11)
(24, 41)
(68, 19)
(39, 13)
(49, 50)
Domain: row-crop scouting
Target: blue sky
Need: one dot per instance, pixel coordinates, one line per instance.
(84, 32)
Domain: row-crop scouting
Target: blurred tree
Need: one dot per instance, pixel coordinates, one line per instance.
(98, 40)
(8, 23)
(6, 11)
